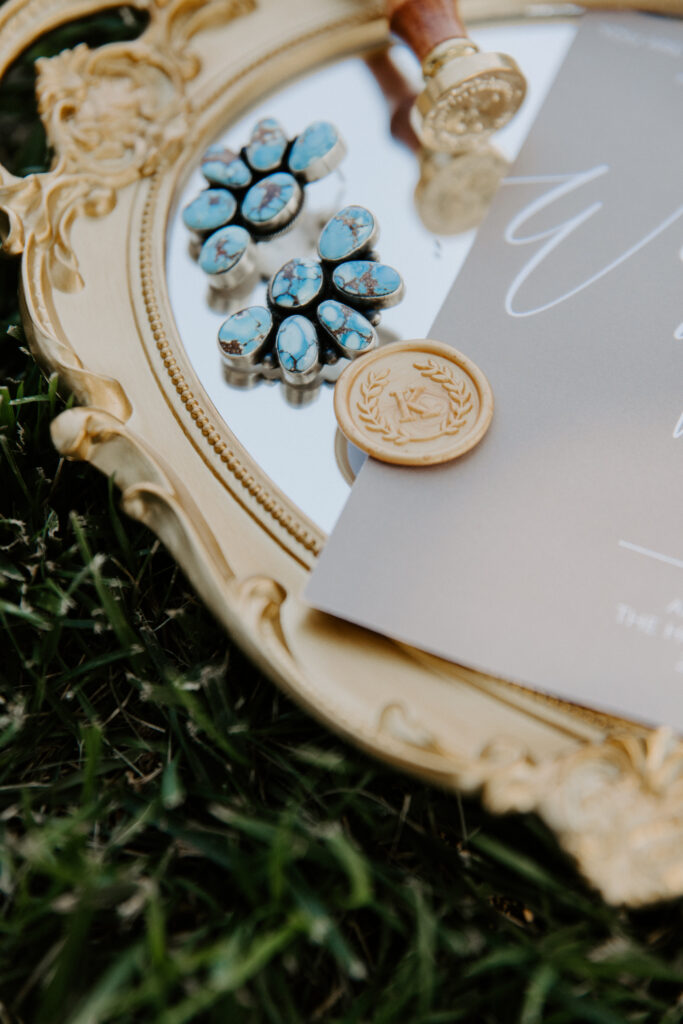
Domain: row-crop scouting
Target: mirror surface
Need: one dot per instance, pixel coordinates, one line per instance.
(298, 445)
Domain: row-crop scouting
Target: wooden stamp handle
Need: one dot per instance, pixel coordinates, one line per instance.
(423, 24)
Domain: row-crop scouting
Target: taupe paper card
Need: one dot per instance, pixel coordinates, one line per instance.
(552, 554)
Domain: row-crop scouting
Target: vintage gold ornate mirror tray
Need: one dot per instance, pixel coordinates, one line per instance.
(242, 480)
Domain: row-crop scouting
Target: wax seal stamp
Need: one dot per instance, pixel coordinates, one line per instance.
(455, 189)
(414, 403)
(468, 94)
(255, 195)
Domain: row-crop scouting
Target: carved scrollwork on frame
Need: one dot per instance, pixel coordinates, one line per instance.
(616, 805)
(115, 113)
(150, 493)
(112, 115)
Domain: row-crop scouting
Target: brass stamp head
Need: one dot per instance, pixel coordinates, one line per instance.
(467, 96)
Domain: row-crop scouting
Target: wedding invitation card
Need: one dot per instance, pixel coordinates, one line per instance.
(552, 554)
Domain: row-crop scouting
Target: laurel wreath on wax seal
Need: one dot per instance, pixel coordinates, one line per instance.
(459, 403)
(368, 408)
(459, 395)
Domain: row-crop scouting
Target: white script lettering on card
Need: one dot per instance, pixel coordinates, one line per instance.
(551, 238)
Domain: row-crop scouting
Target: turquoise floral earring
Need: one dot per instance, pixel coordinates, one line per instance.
(255, 195)
(320, 313)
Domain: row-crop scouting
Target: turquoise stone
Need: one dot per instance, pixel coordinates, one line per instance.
(244, 334)
(267, 200)
(221, 166)
(210, 210)
(346, 234)
(313, 144)
(267, 145)
(296, 284)
(223, 249)
(368, 283)
(351, 331)
(297, 345)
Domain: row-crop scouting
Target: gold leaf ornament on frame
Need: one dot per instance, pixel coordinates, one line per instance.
(117, 115)
(111, 118)
(112, 115)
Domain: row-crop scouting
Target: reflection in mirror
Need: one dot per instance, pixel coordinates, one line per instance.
(454, 189)
(426, 206)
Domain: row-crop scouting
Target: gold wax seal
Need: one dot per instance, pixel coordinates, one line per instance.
(414, 403)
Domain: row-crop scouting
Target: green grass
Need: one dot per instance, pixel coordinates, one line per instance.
(182, 844)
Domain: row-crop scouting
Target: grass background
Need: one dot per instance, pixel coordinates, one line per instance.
(180, 843)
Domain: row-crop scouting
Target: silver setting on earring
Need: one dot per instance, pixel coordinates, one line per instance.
(260, 190)
(320, 313)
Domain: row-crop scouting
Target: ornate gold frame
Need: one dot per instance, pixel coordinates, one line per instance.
(126, 122)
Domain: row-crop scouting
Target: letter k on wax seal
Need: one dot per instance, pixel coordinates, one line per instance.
(414, 403)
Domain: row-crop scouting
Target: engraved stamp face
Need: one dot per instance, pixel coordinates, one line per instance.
(414, 403)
